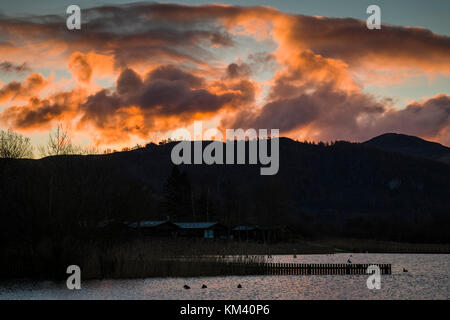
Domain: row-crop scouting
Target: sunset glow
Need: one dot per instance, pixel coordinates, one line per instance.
(136, 72)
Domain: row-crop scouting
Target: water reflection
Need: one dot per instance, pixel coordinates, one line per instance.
(428, 278)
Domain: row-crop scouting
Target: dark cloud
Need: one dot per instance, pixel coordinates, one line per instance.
(428, 118)
(327, 114)
(16, 90)
(351, 41)
(166, 91)
(172, 73)
(38, 113)
(9, 67)
(142, 32)
(331, 113)
(235, 70)
(100, 108)
(128, 81)
(131, 33)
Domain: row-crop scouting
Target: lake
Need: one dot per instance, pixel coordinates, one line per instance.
(428, 278)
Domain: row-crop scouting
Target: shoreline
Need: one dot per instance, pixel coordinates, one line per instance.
(150, 258)
(194, 268)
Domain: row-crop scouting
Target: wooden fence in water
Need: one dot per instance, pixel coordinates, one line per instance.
(299, 269)
(174, 268)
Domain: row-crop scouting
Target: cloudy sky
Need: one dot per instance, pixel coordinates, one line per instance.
(137, 71)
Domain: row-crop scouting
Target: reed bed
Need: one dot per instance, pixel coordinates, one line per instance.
(150, 257)
(138, 258)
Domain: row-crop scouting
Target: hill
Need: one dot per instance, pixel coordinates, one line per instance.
(411, 145)
(344, 189)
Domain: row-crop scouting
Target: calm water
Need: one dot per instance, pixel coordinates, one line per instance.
(428, 278)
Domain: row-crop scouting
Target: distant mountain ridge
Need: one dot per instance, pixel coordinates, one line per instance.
(343, 189)
(411, 145)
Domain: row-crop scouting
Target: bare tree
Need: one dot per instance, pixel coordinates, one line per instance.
(14, 145)
(60, 143)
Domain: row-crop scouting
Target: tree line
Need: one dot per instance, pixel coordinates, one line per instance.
(14, 145)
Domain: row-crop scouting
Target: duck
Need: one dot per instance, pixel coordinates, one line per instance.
(348, 260)
(239, 286)
(404, 270)
(204, 286)
(186, 287)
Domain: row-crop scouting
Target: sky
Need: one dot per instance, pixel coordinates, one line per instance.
(136, 72)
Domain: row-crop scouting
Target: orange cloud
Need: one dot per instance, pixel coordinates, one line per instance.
(39, 114)
(20, 90)
(85, 66)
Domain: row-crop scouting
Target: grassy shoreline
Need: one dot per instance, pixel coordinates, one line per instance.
(142, 258)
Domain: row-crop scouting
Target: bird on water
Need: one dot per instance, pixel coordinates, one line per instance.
(186, 287)
(348, 260)
(239, 286)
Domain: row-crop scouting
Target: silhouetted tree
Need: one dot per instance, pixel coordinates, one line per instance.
(60, 143)
(14, 145)
(178, 196)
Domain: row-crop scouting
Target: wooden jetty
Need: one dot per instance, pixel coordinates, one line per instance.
(300, 269)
